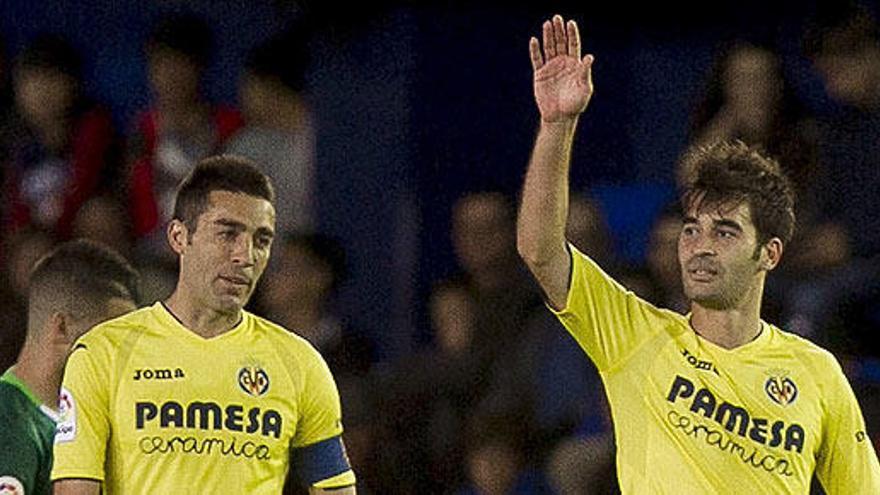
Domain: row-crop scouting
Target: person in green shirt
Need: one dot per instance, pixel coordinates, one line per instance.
(74, 287)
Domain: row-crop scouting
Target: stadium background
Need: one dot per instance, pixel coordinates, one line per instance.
(416, 105)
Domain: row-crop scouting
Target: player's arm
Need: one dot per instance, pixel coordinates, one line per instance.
(318, 452)
(847, 461)
(82, 433)
(563, 87)
(76, 487)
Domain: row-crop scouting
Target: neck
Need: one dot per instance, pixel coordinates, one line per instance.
(731, 327)
(40, 366)
(201, 320)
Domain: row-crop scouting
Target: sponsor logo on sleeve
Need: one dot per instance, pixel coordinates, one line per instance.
(65, 429)
(10, 486)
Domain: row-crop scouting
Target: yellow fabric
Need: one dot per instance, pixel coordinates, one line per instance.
(693, 418)
(344, 479)
(171, 412)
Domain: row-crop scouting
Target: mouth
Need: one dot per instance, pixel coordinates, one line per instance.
(236, 280)
(702, 274)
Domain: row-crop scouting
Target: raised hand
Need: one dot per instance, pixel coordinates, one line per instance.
(563, 80)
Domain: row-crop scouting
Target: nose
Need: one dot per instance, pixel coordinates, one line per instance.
(243, 251)
(698, 244)
(704, 245)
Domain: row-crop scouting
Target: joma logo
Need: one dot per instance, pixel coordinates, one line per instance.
(698, 363)
(158, 374)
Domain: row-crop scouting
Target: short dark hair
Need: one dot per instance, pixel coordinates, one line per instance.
(50, 51)
(229, 173)
(80, 277)
(736, 172)
(186, 34)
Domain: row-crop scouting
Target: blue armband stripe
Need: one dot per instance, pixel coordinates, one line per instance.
(321, 460)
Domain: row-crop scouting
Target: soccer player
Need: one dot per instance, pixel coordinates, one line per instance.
(193, 394)
(71, 289)
(715, 401)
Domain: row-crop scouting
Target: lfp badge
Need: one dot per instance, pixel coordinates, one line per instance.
(253, 380)
(781, 389)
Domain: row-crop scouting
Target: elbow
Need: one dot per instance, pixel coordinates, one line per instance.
(535, 254)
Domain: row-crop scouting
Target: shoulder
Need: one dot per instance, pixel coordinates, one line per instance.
(286, 341)
(112, 333)
(816, 358)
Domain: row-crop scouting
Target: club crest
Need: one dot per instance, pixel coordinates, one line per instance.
(253, 380)
(781, 389)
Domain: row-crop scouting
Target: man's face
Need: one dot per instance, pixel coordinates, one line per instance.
(716, 251)
(225, 257)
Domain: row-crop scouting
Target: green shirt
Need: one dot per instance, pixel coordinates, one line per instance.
(27, 431)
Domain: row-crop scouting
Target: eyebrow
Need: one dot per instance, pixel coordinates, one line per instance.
(724, 222)
(225, 222)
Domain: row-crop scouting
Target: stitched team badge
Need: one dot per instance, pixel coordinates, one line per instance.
(253, 380)
(781, 389)
(10, 486)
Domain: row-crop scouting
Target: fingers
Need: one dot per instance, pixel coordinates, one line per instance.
(559, 35)
(549, 40)
(574, 39)
(587, 69)
(535, 53)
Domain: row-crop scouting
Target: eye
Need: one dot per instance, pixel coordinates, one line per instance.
(726, 234)
(226, 235)
(689, 230)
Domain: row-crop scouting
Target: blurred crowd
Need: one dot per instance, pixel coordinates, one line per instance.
(501, 400)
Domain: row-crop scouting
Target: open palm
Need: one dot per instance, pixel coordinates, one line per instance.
(563, 81)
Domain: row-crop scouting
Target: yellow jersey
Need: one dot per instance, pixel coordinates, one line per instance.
(691, 417)
(148, 406)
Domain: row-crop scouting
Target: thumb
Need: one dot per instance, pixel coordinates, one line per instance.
(587, 69)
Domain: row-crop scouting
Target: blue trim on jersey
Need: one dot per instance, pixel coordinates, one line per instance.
(321, 460)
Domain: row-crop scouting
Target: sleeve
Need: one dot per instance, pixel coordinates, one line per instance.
(318, 450)
(19, 457)
(847, 462)
(608, 321)
(84, 428)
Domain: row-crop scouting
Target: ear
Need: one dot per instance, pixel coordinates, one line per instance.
(178, 236)
(771, 254)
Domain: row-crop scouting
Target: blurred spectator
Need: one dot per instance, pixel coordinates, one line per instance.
(278, 133)
(664, 271)
(428, 397)
(298, 294)
(56, 145)
(748, 98)
(104, 219)
(179, 129)
(483, 227)
(23, 249)
(494, 461)
(587, 229)
(584, 465)
(846, 52)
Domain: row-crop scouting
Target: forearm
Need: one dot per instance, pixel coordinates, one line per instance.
(544, 209)
(76, 487)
